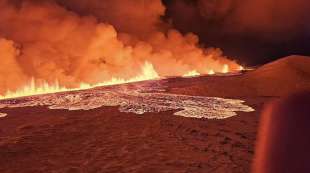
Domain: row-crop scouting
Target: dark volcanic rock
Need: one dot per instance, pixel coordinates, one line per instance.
(106, 140)
(279, 78)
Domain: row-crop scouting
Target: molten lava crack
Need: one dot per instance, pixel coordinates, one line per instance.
(138, 98)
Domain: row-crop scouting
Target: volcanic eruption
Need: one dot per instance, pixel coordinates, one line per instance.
(140, 85)
(49, 46)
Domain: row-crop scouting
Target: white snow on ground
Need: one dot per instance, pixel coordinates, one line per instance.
(136, 98)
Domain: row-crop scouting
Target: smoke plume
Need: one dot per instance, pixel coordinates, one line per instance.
(256, 28)
(92, 41)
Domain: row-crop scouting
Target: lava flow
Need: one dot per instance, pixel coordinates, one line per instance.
(137, 98)
(148, 73)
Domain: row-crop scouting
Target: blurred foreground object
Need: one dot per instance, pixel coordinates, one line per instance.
(284, 140)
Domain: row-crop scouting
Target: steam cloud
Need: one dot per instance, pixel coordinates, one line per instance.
(91, 41)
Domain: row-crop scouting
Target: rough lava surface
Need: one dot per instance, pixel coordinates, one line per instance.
(138, 98)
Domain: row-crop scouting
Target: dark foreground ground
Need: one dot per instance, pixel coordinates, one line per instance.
(106, 141)
(37, 139)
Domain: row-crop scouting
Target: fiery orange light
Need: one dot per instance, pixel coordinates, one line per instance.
(191, 74)
(241, 68)
(148, 73)
(225, 68)
(211, 72)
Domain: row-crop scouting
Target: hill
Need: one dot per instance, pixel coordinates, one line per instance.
(284, 76)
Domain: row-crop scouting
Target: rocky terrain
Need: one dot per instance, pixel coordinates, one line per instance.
(201, 124)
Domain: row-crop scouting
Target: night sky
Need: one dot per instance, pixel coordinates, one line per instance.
(255, 32)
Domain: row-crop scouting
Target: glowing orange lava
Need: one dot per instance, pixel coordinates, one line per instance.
(211, 72)
(225, 68)
(191, 74)
(148, 73)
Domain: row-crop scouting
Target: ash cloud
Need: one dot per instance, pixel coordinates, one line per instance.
(262, 27)
(92, 41)
(136, 17)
